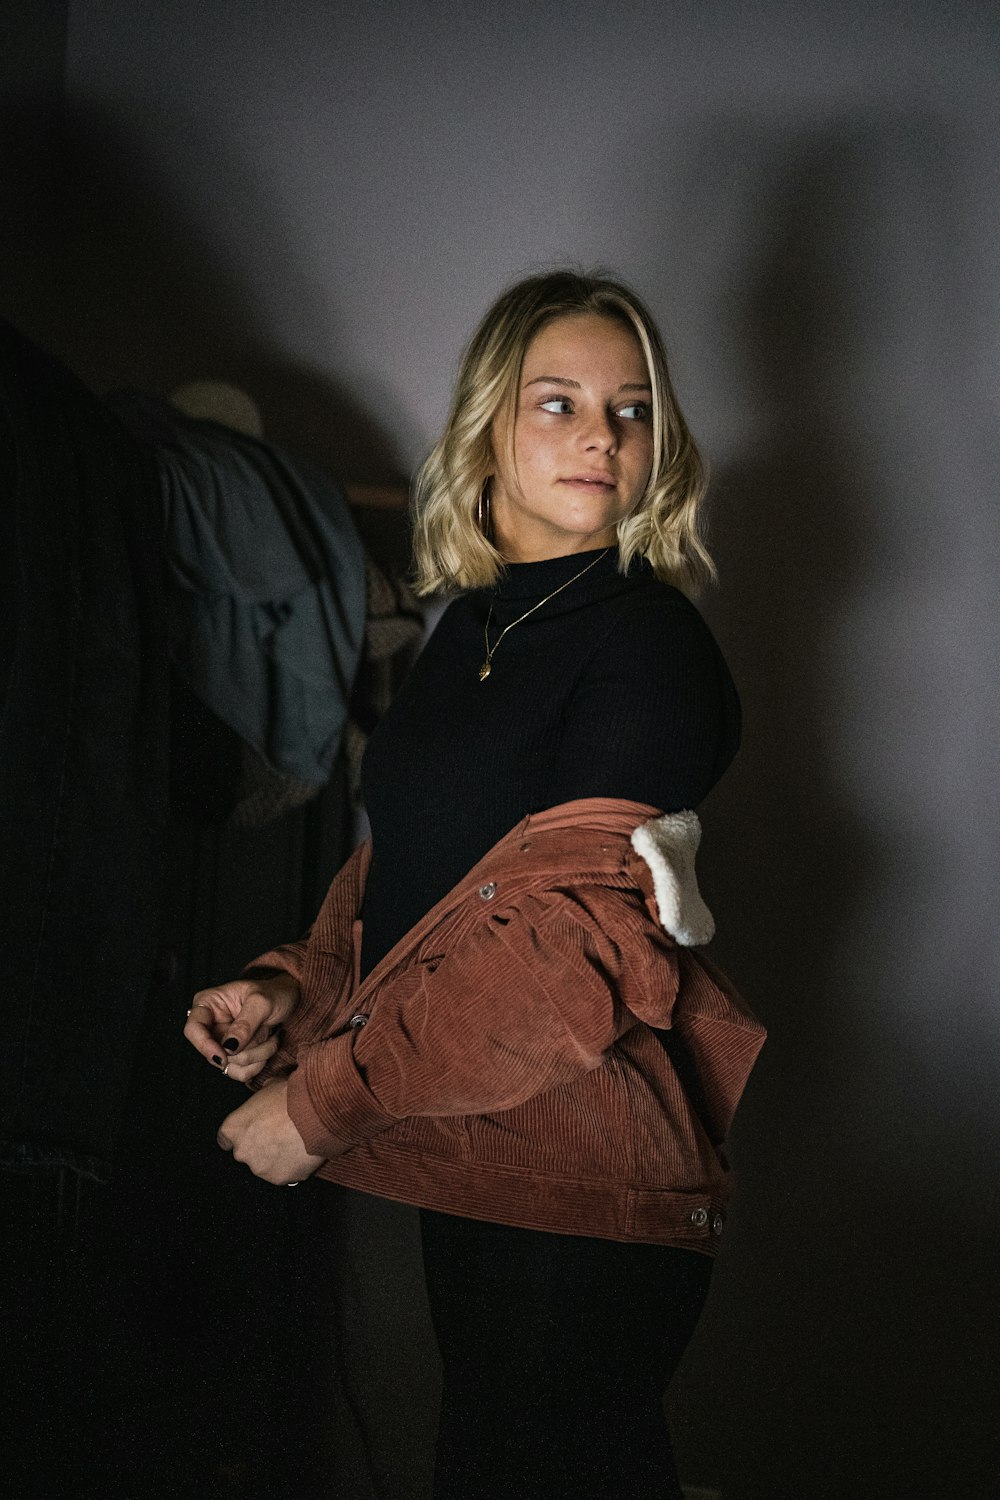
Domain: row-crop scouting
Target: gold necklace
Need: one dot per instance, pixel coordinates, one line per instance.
(487, 666)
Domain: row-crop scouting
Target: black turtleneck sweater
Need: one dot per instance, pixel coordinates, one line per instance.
(614, 688)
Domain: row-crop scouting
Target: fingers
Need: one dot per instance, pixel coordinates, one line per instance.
(230, 1023)
(261, 1135)
(262, 1002)
(199, 1031)
(244, 1065)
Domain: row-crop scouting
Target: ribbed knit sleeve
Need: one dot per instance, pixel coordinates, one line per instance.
(654, 716)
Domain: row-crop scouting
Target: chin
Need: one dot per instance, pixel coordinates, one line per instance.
(598, 531)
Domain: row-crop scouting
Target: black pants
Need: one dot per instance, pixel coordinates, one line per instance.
(557, 1350)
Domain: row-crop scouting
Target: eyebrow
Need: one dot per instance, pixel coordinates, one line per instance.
(639, 385)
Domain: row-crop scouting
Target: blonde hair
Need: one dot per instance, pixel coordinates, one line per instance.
(450, 548)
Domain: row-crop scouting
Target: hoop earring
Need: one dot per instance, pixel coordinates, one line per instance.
(483, 510)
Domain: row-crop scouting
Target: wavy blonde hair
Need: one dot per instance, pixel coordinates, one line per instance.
(450, 548)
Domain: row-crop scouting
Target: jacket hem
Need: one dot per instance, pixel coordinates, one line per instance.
(558, 1205)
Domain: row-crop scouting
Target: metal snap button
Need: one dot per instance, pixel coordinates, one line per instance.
(358, 1021)
(699, 1218)
(488, 891)
(716, 1223)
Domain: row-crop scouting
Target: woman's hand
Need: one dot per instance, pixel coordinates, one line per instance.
(233, 1024)
(261, 1134)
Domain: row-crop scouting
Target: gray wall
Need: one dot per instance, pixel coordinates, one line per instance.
(320, 199)
(32, 73)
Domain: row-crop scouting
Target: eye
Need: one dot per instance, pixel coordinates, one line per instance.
(560, 405)
(635, 411)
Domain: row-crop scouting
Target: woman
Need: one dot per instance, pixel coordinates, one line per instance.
(515, 1037)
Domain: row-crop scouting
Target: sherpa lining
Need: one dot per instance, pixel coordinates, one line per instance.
(669, 845)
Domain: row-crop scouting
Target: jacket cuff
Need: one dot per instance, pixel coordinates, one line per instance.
(328, 1102)
(287, 958)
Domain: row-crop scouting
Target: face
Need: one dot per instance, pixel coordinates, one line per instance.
(583, 440)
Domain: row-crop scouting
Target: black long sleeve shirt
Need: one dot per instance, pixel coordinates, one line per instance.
(613, 688)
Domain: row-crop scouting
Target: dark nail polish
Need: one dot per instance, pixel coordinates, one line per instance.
(217, 1060)
(231, 1044)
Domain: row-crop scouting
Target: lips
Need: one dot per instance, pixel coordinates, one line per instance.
(591, 481)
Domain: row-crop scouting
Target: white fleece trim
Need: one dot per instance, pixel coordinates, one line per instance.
(668, 845)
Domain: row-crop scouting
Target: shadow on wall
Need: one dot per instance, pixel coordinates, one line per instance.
(787, 524)
(832, 1343)
(126, 291)
(32, 62)
(144, 299)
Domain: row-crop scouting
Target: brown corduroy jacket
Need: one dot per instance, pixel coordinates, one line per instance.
(542, 1049)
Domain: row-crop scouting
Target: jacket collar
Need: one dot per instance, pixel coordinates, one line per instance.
(666, 843)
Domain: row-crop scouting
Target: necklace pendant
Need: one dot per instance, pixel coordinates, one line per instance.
(484, 671)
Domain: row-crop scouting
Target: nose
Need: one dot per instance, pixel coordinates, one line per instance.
(600, 434)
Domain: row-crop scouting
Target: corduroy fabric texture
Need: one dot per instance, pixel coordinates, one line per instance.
(503, 1061)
